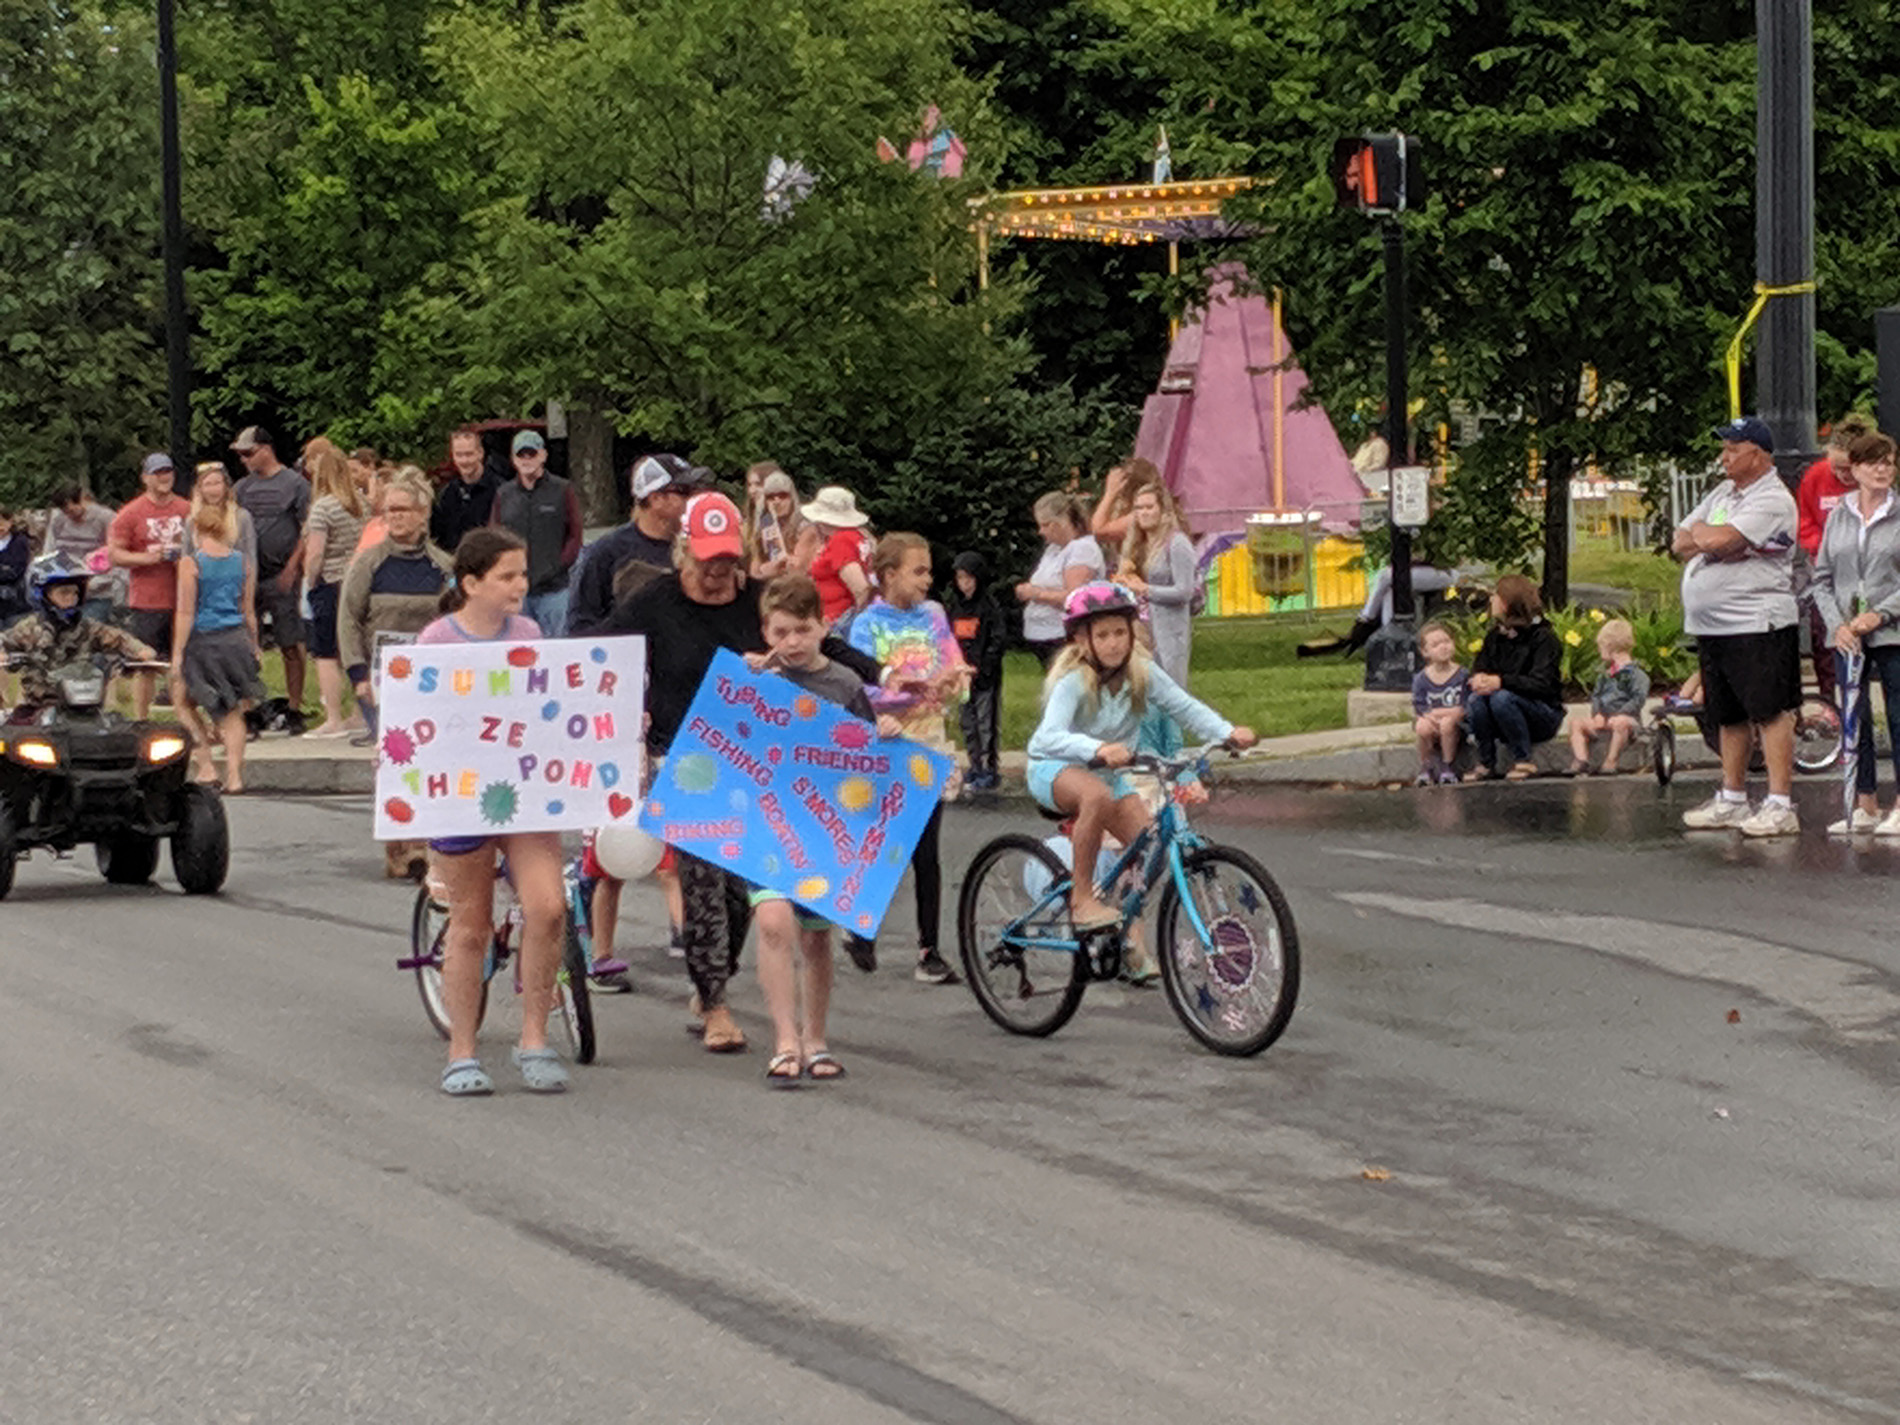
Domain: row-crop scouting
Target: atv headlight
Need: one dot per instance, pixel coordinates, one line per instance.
(36, 753)
(163, 746)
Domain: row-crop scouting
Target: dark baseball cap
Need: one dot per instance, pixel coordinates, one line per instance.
(1746, 430)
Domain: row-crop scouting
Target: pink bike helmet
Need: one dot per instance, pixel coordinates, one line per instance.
(1092, 600)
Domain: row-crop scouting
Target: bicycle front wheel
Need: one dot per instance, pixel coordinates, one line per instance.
(573, 1005)
(1012, 927)
(1233, 987)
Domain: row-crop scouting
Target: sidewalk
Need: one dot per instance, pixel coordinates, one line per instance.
(1349, 756)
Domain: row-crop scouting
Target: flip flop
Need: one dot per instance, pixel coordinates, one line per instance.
(824, 1060)
(774, 1071)
(466, 1078)
(541, 1070)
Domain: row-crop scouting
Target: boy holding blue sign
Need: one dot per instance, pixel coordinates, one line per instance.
(792, 939)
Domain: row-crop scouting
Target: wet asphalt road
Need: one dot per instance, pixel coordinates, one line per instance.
(1633, 1090)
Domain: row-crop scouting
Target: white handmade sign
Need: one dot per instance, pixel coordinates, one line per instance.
(484, 739)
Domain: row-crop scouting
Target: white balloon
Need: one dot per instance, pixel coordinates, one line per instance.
(626, 852)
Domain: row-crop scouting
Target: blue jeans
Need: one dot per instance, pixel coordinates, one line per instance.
(1882, 663)
(1518, 722)
(549, 610)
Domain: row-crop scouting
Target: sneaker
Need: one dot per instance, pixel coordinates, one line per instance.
(1423, 779)
(984, 782)
(1772, 820)
(931, 970)
(676, 947)
(863, 952)
(1715, 814)
(1889, 824)
(1447, 778)
(609, 977)
(1863, 821)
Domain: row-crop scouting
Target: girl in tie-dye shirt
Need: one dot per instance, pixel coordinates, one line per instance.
(924, 679)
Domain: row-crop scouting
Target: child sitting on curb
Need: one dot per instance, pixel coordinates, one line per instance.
(1616, 703)
(1438, 697)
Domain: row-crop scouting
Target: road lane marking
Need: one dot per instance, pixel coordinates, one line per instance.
(1850, 998)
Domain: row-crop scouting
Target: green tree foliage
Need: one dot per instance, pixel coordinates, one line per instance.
(326, 173)
(81, 364)
(1590, 179)
(624, 259)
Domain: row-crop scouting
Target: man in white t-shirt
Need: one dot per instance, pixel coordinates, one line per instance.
(1738, 602)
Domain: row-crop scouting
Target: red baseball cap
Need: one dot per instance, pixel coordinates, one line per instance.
(712, 527)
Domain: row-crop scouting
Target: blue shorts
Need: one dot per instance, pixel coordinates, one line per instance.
(459, 845)
(1043, 772)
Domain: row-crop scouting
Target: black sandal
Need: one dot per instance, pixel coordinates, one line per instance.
(778, 1080)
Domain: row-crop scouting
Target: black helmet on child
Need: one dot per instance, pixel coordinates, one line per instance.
(48, 570)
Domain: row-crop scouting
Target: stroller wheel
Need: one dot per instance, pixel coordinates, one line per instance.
(1663, 753)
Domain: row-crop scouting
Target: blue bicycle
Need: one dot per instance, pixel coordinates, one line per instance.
(1227, 948)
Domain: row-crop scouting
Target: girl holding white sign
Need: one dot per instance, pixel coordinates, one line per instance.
(482, 604)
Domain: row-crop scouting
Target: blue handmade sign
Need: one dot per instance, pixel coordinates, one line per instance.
(795, 794)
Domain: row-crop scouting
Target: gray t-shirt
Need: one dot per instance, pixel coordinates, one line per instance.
(79, 538)
(278, 504)
(835, 683)
(1749, 592)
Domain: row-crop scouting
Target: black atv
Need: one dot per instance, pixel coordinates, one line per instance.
(77, 771)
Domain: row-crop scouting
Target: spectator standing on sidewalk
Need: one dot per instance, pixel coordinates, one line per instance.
(1857, 594)
(278, 499)
(466, 501)
(1738, 602)
(1070, 558)
(976, 618)
(146, 539)
(544, 510)
(80, 526)
(1824, 485)
(16, 549)
(337, 516)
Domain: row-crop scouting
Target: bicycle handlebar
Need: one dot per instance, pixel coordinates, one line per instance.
(1171, 767)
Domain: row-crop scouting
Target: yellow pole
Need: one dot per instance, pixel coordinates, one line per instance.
(982, 257)
(1174, 270)
(1279, 408)
(1733, 358)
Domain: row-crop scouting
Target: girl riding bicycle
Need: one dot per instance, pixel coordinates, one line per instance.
(483, 603)
(1098, 690)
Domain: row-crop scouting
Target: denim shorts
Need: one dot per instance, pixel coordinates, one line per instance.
(1043, 772)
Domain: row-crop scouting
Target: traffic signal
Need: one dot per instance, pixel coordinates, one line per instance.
(1378, 173)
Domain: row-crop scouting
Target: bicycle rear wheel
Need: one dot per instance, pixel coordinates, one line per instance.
(573, 1005)
(1235, 989)
(1012, 913)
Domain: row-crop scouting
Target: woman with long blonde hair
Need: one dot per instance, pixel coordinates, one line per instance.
(214, 634)
(330, 534)
(1158, 564)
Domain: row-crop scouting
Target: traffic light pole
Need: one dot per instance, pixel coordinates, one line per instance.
(177, 350)
(1398, 446)
(1784, 227)
(1391, 651)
